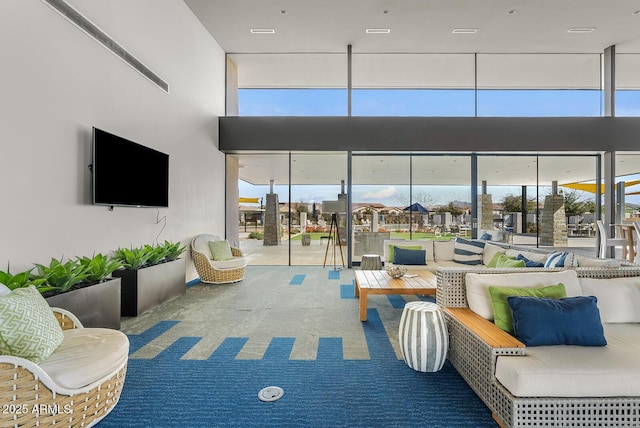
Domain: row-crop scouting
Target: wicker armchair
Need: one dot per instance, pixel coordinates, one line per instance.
(42, 394)
(213, 271)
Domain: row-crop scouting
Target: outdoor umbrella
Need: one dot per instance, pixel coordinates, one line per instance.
(416, 208)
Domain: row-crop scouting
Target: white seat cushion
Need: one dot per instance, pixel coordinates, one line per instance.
(577, 371)
(85, 356)
(235, 262)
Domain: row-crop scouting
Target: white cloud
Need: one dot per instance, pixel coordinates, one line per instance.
(381, 194)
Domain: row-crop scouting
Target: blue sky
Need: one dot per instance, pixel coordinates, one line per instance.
(412, 102)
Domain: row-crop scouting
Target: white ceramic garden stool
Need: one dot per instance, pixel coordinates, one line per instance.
(423, 336)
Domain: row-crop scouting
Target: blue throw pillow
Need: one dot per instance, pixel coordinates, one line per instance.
(403, 256)
(486, 237)
(529, 263)
(540, 321)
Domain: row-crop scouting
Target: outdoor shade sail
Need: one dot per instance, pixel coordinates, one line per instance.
(249, 200)
(591, 187)
(416, 208)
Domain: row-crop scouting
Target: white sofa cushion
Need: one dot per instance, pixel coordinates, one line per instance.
(86, 355)
(479, 299)
(490, 250)
(233, 263)
(618, 298)
(577, 371)
(444, 250)
(594, 262)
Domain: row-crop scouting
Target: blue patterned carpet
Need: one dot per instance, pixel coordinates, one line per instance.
(167, 391)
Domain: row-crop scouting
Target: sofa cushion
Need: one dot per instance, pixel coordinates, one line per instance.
(28, 328)
(502, 311)
(595, 262)
(232, 263)
(489, 253)
(478, 284)
(561, 259)
(577, 371)
(443, 250)
(392, 250)
(86, 355)
(468, 252)
(536, 257)
(420, 244)
(618, 298)
(540, 321)
(409, 257)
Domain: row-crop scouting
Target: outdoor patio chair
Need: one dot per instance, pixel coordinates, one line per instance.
(606, 241)
(216, 271)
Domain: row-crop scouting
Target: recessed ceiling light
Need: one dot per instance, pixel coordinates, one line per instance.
(580, 30)
(635, 12)
(283, 12)
(512, 12)
(262, 31)
(386, 12)
(464, 31)
(377, 30)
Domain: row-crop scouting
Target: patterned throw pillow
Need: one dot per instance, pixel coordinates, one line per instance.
(561, 259)
(28, 328)
(468, 252)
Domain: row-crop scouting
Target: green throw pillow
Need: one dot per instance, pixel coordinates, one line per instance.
(220, 250)
(501, 310)
(28, 328)
(510, 262)
(494, 260)
(406, 247)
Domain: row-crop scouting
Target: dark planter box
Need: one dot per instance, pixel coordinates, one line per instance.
(146, 288)
(97, 305)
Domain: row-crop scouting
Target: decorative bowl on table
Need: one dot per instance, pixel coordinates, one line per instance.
(396, 271)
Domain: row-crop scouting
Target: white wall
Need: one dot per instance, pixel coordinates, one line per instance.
(56, 83)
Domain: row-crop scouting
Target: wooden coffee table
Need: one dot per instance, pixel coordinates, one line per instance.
(379, 282)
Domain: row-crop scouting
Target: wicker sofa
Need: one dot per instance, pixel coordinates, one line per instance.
(77, 385)
(479, 351)
(441, 254)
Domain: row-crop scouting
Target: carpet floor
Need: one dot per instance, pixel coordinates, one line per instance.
(200, 360)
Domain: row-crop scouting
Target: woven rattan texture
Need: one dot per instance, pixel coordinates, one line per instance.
(65, 322)
(475, 361)
(30, 403)
(209, 274)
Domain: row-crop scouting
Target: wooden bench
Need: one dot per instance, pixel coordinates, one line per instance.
(379, 282)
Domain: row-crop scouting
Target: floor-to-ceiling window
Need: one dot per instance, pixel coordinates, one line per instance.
(628, 84)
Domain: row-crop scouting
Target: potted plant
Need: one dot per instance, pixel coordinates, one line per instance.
(150, 276)
(19, 280)
(83, 287)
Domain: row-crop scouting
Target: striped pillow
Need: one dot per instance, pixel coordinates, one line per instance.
(468, 252)
(561, 259)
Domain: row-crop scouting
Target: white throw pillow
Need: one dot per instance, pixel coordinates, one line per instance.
(591, 262)
(443, 250)
(490, 250)
(618, 298)
(479, 299)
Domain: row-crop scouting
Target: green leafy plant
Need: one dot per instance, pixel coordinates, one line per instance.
(173, 250)
(99, 266)
(19, 280)
(256, 235)
(134, 258)
(60, 276)
(156, 254)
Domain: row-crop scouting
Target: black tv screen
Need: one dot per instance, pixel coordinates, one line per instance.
(127, 173)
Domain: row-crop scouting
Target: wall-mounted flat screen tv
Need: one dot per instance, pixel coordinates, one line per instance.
(127, 173)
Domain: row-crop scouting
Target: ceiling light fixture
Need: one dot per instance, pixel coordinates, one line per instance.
(464, 31)
(635, 12)
(581, 30)
(377, 30)
(283, 12)
(386, 12)
(512, 12)
(262, 31)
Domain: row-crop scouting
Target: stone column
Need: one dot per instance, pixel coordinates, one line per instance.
(303, 222)
(486, 212)
(374, 221)
(272, 220)
(554, 222)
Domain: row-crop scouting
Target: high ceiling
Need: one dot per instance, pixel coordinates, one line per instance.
(421, 26)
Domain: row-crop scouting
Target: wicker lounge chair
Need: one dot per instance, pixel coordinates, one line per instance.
(212, 271)
(42, 394)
